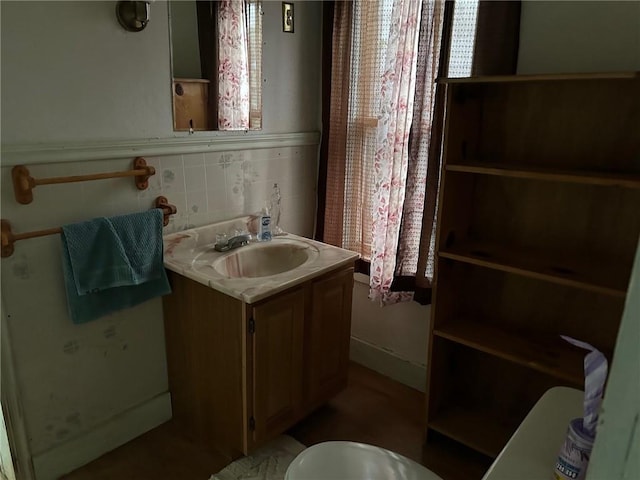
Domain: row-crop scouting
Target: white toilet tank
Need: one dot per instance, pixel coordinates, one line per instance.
(354, 461)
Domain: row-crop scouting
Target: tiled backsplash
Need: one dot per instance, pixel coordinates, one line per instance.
(214, 186)
(73, 377)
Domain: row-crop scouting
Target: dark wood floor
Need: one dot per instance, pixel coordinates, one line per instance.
(373, 409)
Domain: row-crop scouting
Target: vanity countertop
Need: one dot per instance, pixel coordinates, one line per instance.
(190, 253)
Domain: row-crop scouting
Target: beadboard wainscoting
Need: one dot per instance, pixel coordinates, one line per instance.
(107, 379)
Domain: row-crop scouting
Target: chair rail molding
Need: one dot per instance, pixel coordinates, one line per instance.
(32, 154)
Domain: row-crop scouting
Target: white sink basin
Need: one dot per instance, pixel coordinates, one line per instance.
(253, 272)
(265, 259)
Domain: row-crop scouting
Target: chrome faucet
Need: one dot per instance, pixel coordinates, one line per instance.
(233, 242)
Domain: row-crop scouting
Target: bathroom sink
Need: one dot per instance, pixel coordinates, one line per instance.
(252, 272)
(265, 259)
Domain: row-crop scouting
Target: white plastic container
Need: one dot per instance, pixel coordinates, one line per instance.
(264, 229)
(574, 455)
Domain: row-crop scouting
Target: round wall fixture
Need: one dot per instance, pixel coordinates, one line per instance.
(133, 16)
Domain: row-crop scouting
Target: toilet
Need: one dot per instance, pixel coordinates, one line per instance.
(354, 461)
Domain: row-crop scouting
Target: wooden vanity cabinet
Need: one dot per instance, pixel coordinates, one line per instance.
(276, 329)
(240, 374)
(328, 328)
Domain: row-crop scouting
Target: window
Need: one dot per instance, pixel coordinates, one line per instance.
(385, 122)
(463, 37)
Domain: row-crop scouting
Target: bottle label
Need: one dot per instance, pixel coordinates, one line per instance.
(573, 458)
(265, 228)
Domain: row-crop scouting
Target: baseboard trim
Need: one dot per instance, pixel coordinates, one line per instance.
(30, 154)
(389, 364)
(113, 433)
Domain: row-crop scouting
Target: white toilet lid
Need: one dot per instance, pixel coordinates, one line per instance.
(354, 461)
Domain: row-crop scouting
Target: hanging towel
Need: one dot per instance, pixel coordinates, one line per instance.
(113, 263)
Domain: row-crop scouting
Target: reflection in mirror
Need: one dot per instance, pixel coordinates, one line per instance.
(216, 64)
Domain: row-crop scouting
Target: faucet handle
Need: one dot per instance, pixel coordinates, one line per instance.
(222, 242)
(221, 238)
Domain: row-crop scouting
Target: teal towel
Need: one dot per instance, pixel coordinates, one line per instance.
(113, 263)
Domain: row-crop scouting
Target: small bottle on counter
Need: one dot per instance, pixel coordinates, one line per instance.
(264, 227)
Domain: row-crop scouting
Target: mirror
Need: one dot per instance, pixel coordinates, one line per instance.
(216, 64)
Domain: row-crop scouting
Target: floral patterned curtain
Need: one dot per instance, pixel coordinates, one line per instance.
(233, 67)
(392, 153)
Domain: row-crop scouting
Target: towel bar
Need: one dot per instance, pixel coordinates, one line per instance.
(8, 238)
(24, 183)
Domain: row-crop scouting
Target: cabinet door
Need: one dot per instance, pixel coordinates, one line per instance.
(277, 344)
(329, 333)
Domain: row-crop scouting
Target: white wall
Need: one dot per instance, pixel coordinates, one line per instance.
(70, 72)
(185, 49)
(73, 378)
(579, 36)
(391, 340)
(72, 76)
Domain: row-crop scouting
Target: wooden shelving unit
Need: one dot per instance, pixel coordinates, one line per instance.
(607, 179)
(539, 217)
(477, 429)
(551, 356)
(586, 273)
(442, 456)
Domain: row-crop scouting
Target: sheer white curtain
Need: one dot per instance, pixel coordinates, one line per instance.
(376, 179)
(254, 27)
(370, 26)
